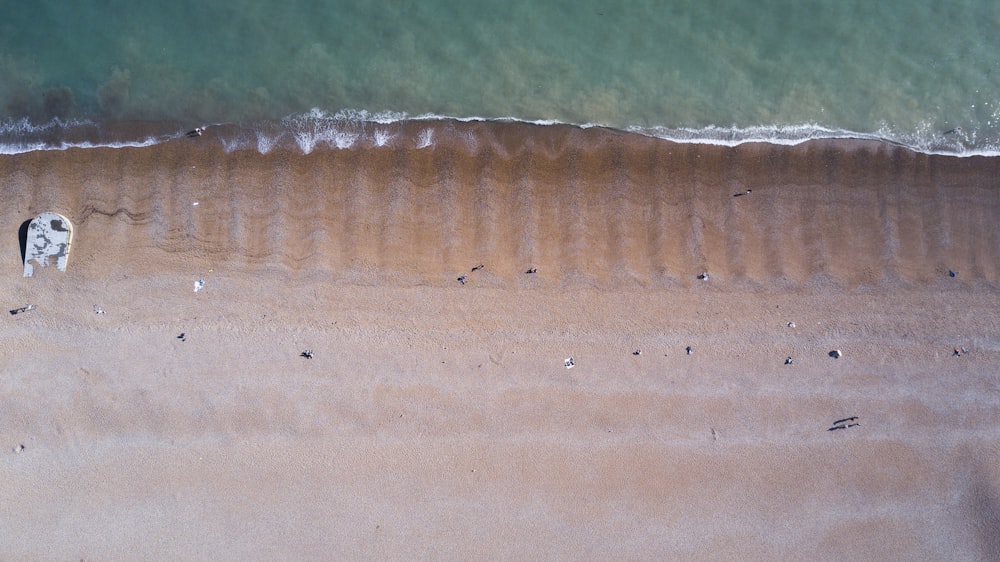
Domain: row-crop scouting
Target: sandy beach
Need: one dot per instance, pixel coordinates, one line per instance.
(437, 419)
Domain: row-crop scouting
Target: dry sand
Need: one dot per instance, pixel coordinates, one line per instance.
(436, 420)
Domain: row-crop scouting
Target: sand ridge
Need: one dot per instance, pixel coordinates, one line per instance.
(595, 208)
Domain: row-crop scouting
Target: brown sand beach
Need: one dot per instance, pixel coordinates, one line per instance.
(436, 419)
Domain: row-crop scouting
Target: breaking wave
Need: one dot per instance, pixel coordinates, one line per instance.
(345, 129)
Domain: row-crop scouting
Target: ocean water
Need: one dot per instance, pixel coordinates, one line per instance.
(922, 73)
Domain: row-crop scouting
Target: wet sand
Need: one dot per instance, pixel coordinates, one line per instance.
(436, 419)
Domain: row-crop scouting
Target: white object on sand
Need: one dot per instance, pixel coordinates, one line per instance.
(49, 236)
(569, 363)
(198, 285)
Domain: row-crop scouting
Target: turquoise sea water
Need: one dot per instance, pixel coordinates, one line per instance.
(911, 71)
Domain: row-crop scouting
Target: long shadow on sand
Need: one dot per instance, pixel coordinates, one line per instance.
(22, 237)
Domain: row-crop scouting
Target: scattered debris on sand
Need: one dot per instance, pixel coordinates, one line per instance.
(25, 308)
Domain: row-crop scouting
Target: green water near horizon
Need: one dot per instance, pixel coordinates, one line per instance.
(908, 70)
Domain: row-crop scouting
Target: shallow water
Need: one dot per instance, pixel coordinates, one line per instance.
(906, 71)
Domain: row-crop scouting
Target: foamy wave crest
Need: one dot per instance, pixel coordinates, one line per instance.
(347, 129)
(733, 136)
(308, 131)
(926, 139)
(316, 127)
(21, 135)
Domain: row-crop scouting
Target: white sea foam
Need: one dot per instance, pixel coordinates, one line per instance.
(925, 140)
(352, 128)
(382, 137)
(11, 148)
(265, 143)
(21, 135)
(426, 138)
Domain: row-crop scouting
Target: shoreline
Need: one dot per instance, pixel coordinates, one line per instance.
(317, 130)
(589, 207)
